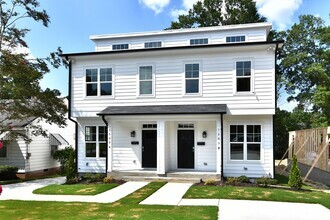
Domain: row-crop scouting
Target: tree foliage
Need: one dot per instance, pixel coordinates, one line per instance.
(219, 12)
(304, 66)
(21, 96)
(295, 180)
(63, 156)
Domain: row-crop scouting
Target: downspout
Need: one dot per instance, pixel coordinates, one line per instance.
(276, 48)
(106, 137)
(221, 122)
(69, 112)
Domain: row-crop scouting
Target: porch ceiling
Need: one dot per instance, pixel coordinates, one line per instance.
(165, 109)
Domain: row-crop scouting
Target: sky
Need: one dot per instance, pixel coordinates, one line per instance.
(73, 21)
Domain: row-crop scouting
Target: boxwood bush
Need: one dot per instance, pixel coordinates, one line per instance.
(8, 172)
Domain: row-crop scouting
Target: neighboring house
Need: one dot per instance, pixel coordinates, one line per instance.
(35, 158)
(199, 99)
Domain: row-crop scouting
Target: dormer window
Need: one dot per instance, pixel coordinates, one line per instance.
(152, 44)
(232, 39)
(120, 47)
(199, 41)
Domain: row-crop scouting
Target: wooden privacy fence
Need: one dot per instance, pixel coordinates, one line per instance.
(311, 147)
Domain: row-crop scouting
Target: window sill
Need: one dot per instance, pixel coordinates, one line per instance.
(145, 96)
(244, 94)
(192, 95)
(99, 97)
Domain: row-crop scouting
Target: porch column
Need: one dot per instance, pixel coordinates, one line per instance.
(218, 146)
(160, 147)
(110, 151)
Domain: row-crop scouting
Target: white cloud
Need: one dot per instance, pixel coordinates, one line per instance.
(156, 5)
(279, 12)
(186, 5)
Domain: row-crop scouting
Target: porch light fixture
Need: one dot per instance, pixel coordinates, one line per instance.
(132, 133)
(204, 134)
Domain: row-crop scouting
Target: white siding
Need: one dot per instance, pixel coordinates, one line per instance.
(218, 80)
(16, 154)
(254, 168)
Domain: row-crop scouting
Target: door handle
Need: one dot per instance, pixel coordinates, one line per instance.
(142, 148)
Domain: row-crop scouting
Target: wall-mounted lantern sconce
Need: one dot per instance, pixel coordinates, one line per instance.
(132, 133)
(204, 134)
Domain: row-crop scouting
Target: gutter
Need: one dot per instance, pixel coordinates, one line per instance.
(221, 121)
(69, 112)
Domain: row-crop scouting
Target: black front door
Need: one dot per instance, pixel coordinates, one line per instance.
(186, 154)
(149, 148)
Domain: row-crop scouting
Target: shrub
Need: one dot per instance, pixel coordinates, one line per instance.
(73, 180)
(107, 179)
(70, 167)
(265, 181)
(92, 178)
(243, 179)
(295, 181)
(62, 156)
(232, 181)
(8, 172)
(209, 182)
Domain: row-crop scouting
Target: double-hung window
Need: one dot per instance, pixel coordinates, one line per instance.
(245, 142)
(243, 76)
(99, 82)
(192, 78)
(95, 141)
(145, 80)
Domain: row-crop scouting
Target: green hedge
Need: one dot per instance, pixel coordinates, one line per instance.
(8, 172)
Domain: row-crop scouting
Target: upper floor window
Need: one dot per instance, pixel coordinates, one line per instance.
(95, 141)
(145, 80)
(152, 44)
(192, 78)
(120, 47)
(235, 39)
(99, 82)
(199, 41)
(243, 76)
(245, 142)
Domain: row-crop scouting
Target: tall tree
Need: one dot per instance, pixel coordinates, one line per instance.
(21, 97)
(305, 64)
(219, 12)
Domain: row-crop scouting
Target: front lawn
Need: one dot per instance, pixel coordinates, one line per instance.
(75, 189)
(126, 208)
(258, 193)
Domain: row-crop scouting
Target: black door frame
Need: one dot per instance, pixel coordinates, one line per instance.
(177, 145)
(147, 129)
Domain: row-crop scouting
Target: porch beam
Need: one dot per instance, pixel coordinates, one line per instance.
(161, 147)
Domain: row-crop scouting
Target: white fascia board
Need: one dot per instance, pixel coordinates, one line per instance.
(266, 25)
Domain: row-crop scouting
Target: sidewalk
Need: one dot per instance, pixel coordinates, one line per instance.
(23, 191)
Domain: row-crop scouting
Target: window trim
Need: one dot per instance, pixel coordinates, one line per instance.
(251, 92)
(97, 142)
(99, 82)
(236, 35)
(245, 143)
(200, 77)
(153, 80)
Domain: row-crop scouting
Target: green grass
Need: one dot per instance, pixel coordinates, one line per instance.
(258, 193)
(75, 189)
(126, 208)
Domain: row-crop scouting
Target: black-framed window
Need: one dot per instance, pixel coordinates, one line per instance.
(95, 141)
(99, 82)
(120, 47)
(199, 41)
(243, 76)
(245, 142)
(152, 44)
(3, 150)
(192, 78)
(145, 80)
(235, 39)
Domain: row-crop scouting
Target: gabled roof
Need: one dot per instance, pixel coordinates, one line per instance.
(165, 109)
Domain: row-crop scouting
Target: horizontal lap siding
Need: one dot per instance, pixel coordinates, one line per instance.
(16, 153)
(217, 81)
(254, 169)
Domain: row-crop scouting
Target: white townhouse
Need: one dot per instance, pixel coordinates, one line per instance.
(199, 100)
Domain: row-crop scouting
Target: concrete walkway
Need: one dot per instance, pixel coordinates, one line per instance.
(23, 191)
(172, 193)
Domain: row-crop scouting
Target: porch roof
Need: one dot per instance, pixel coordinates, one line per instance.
(165, 109)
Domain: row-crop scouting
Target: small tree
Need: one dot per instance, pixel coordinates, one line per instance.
(63, 156)
(70, 167)
(295, 181)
